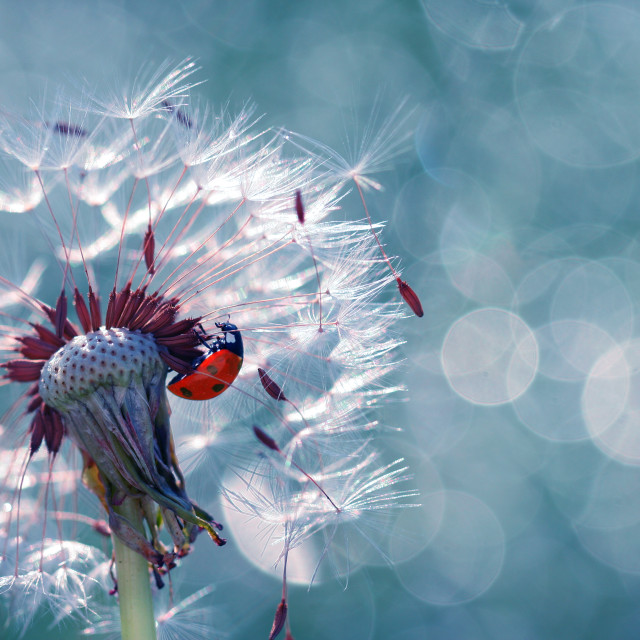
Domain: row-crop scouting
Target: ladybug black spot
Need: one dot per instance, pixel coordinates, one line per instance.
(185, 392)
(218, 387)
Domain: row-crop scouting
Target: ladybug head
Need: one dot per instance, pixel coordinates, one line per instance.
(232, 340)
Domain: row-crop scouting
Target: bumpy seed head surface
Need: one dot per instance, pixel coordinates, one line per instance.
(103, 357)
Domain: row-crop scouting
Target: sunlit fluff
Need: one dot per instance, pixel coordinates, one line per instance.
(161, 221)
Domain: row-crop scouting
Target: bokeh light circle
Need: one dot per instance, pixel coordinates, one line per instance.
(262, 546)
(611, 402)
(475, 23)
(569, 348)
(442, 217)
(551, 408)
(490, 356)
(578, 87)
(593, 293)
(464, 558)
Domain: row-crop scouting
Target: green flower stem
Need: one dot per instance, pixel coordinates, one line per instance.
(134, 586)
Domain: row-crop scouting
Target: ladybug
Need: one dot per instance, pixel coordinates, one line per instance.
(214, 371)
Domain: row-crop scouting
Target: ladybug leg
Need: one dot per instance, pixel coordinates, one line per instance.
(202, 337)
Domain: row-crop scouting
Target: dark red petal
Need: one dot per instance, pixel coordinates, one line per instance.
(279, 619)
(61, 314)
(182, 326)
(34, 403)
(176, 364)
(270, 386)
(36, 349)
(149, 248)
(48, 336)
(37, 433)
(33, 389)
(53, 429)
(58, 318)
(82, 311)
(24, 370)
(266, 440)
(110, 309)
(410, 297)
(299, 207)
(94, 307)
(121, 300)
(144, 313)
(187, 355)
(181, 340)
(164, 315)
(130, 308)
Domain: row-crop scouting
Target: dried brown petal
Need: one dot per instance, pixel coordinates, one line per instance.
(270, 386)
(279, 619)
(410, 297)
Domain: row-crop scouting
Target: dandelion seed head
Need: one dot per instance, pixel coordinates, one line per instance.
(104, 357)
(164, 221)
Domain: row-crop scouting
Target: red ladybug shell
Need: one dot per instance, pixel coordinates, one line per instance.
(210, 378)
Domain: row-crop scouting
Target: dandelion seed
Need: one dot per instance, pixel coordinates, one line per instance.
(375, 150)
(279, 619)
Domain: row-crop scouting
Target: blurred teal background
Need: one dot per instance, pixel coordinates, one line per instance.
(515, 211)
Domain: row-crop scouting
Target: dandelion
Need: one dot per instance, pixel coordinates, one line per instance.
(203, 255)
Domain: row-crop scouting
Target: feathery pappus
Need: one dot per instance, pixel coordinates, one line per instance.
(195, 251)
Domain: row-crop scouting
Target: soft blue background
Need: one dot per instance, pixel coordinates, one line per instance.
(515, 212)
